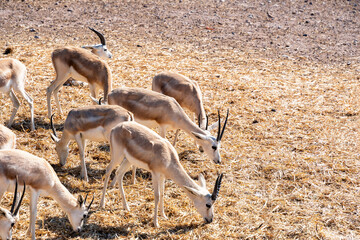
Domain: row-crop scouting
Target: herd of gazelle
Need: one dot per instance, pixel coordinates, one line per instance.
(120, 119)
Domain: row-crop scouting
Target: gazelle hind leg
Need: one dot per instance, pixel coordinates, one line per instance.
(16, 105)
(125, 165)
(162, 188)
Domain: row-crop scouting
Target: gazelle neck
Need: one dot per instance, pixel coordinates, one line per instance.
(189, 126)
(177, 173)
(63, 197)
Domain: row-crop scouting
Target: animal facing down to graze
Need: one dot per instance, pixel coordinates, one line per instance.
(12, 79)
(92, 123)
(7, 138)
(40, 178)
(152, 108)
(134, 144)
(185, 91)
(81, 65)
(9, 218)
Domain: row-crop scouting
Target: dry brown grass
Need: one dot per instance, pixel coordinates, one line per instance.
(290, 152)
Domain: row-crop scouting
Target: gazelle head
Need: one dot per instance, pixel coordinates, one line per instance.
(9, 218)
(210, 144)
(203, 200)
(99, 49)
(62, 150)
(78, 215)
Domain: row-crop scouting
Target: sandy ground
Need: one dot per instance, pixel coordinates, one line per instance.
(287, 70)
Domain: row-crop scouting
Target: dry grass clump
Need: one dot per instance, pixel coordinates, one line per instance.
(290, 153)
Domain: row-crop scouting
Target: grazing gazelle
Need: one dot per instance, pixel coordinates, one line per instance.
(152, 108)
(7, 138)
(81, 65)
(12, 79)
(134, 144)
(9, 218)
(185, 91)
(92, 123)
(40, 178)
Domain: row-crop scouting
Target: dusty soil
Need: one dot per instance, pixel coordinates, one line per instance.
(287, 70)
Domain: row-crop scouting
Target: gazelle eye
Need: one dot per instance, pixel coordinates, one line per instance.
(214, 147)
(105, 50)
(208, 205)
(85, 215)
(12, 224)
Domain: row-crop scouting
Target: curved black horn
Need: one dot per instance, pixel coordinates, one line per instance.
(102, 38)
(52, 125)
(100, 100)
(222, 132)
(15, 197)
(219, 127)
(199, 120)
(85, 198)
(91, 203)
(21, 198)
(217, 187)
(207, 122)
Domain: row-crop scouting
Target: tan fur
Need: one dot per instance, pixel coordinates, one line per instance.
(41, 178)
(90, 67)
(7, 138)
(89, 123)
(185, 91)
(12, 79)
(135, 144)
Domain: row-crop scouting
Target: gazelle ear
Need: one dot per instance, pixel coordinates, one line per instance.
(80, 200)
(202, 181)
(199, 136)
(192, 191)
(88, 47)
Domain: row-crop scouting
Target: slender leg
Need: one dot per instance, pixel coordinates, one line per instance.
(31, 105)
(156, 182)
(117, 155)
(133, 178)
(16, 105)
(54, 87)
(162, 131)
(94, 92)
(162, 188)
(176, 137)
(34, 196)
(125, 165)
(82, 144)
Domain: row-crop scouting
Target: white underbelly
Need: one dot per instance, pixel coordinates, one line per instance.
(136, 162)
(97, 134)
(77, 76)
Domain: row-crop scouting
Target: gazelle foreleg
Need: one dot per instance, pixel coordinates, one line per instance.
(117, 155)
(54, 89)
(16, 105)
(34, 196)
(82, 144)
(31, 105)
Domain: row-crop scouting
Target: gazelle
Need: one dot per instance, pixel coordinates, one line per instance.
(185, 91)
(144, 148)
(152, 108)
(81, 65)
(40, 178)
(12, 79)
(87, 123)
(9, 218)
(7, 138)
